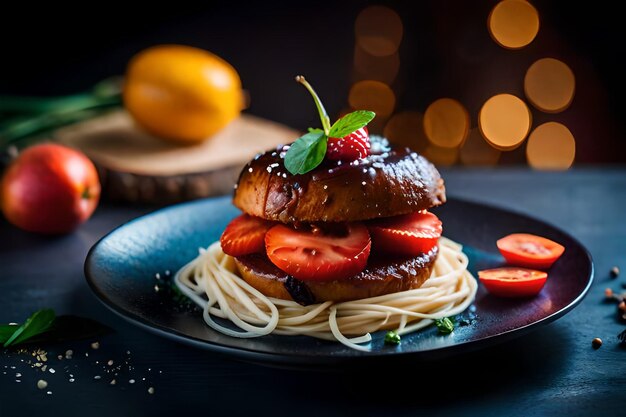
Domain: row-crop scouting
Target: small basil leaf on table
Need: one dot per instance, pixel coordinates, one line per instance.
(306, 152)
(38, 323)
(44, 327)
(6, 331)
(350, 123)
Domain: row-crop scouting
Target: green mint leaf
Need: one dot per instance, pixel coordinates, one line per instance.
(36, 324)
(351, 122)
(445, 325)
(306, 153)
(314, 130)
(60, 329)
(392, 338)
(6, 331)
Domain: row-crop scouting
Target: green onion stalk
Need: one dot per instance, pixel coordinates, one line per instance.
(25, 120)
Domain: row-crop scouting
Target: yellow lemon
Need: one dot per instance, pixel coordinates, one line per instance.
(182, 93)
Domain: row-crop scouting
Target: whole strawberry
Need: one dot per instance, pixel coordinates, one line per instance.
(356, 145)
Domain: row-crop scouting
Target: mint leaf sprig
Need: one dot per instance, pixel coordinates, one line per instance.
(351, 122)
(308, 151)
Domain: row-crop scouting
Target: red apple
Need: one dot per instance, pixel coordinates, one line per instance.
(49, 188)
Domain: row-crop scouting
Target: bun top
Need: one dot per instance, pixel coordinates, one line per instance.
(390, 182)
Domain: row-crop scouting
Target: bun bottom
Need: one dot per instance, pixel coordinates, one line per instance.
(381, 276)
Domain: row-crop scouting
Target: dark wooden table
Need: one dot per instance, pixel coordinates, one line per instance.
(553, 371)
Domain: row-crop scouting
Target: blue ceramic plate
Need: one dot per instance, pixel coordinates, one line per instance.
(124, 267)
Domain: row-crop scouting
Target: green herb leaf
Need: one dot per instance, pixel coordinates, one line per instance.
(350, 123)
(445, 325)
(6, 331)
(36, 324)
(306, 152)
(60, 328)
(392, 338)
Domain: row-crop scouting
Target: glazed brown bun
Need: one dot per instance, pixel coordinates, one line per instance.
(390, 182)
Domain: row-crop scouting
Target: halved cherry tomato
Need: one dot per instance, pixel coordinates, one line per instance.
(318, 256)
(407, 235)
(513, 282)
(245, 235)
(530, 251)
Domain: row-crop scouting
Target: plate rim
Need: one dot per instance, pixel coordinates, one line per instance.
(295, 358)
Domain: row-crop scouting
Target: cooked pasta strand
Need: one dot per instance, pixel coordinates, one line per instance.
(211, 281)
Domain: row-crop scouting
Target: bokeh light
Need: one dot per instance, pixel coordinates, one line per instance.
(372, 95)
(407, 129)
(504, 121)
(378, 68)
(441, 156)
(551, 146)
(476, 151)
(446, 123)
(549, 85)
(513, 24)
(378, 30)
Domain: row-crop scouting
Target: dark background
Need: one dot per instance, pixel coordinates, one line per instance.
(446, 51)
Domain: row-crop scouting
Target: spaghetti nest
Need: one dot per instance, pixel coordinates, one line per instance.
(212, 282)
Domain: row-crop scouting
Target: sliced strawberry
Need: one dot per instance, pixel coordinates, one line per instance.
(244, 235)
(349, 148)
(407, 235)
(317, 255)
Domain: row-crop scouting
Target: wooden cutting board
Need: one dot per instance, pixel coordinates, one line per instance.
(135, 166)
